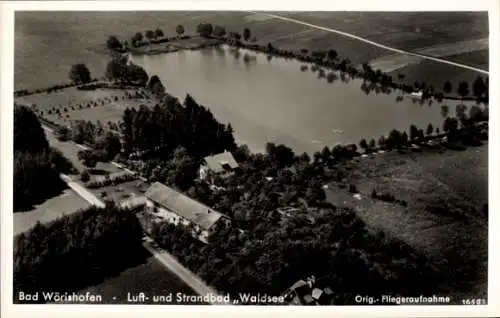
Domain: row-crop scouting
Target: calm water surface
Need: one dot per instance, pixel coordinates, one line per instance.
(274, 101)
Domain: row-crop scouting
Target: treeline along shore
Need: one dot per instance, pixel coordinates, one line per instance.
(214, 35)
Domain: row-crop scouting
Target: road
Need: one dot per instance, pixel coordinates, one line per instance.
(382, 46)
(82, 191)
(178, 269)
(163, 256)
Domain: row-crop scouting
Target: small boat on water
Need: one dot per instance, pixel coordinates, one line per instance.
(417, 94)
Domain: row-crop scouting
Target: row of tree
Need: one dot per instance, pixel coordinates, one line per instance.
(36, 165)
(77, 250)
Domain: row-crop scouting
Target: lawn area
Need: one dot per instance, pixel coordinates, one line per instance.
(104, 105)
(66, 203)
(453, 238)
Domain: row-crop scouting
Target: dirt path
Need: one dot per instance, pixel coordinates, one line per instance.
(182, 272)
(382, 46)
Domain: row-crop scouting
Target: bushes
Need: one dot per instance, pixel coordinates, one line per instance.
(110, 180)
(85, 176)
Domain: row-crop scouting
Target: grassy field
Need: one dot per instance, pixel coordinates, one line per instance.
(66, 203)
(434, 73)
(51, 37)
(455, 238)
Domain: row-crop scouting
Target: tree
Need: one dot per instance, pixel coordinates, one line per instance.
(63, 133)
(450, 125)
(363, 144)
(158, 88)
(36, 165)
(204, 29)
(332, 54)
(479, 87)
(85, 176)
(430, 129)
(110, 144)
(447, 87)
(179, 29)
(116, 70)
(219, 31)
(463, 89)
(413, 132)
(372, 143)
(80, 74)
(113, 43)
(137, 39)
(246, 34)
(88, 158)
(234, 35)
(135, 74)
(152, 81)
(150, 34)
(29, 135)
(158, 33)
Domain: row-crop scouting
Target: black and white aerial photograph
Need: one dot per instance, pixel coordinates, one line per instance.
(263, 158)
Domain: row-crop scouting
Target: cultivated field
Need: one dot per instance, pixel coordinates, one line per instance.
(66, 203)
(406, 30)
(442, 191)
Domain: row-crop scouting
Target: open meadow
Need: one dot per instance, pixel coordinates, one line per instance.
(69, 104)
(66, 203)
(442, 219)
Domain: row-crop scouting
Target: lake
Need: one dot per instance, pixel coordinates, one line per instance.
(275, 101)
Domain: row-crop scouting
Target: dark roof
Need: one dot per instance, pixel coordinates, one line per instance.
(182, 205)
(216, 162)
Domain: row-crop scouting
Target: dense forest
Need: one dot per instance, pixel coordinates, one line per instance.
(76, 251)
(164, 127)
(36, 165)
